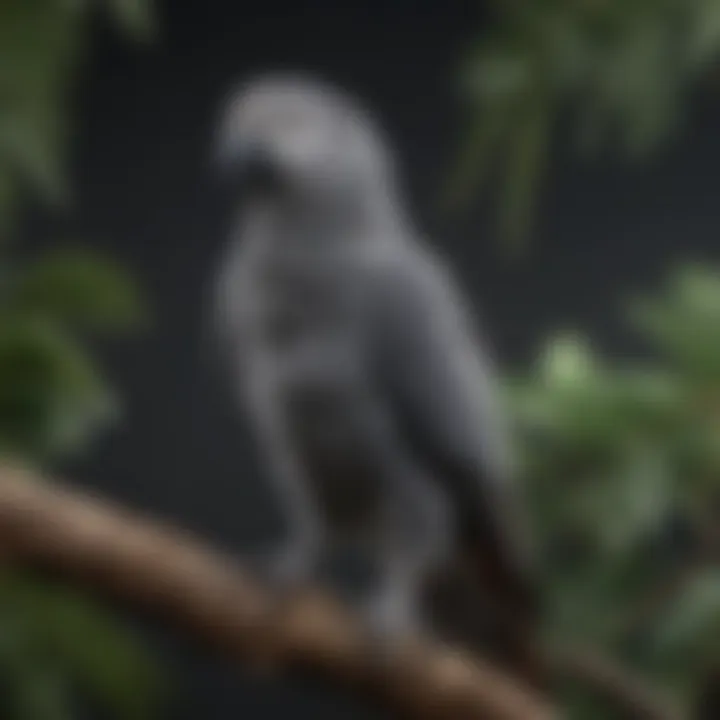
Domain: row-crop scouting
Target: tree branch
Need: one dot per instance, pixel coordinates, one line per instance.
(160, 568)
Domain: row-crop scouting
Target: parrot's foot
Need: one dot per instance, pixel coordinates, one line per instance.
(392, 619)
(287, 570)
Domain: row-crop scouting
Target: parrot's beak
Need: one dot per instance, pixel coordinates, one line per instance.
(252, 171)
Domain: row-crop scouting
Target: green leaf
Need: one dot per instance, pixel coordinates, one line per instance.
(7, 202)
(525, 165)
(697, 288)
(134, 16)
(51, 396)
(567, 360)
(99, 655)
(40, 44)
(705, 34)
(479, 150)
(639, 502)
(684, 322)
(40, 47)
(35, 153)
(694, 618)
(502, 75)
(80, 288)
(42, 694)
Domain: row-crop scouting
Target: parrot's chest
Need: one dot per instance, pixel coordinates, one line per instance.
(316, 364)
(316, 361)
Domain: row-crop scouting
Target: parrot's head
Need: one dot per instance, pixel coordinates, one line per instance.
(293, 137)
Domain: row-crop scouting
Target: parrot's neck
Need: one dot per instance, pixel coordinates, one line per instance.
(375, 217)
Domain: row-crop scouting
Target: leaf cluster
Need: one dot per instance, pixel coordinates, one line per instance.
(623, 464)
(55, 645)
(615, 73)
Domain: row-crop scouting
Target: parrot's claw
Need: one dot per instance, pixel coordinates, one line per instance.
(391, 620)
(286, 571)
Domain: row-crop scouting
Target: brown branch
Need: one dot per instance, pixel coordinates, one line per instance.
(165, 570)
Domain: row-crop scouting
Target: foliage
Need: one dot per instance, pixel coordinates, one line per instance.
(53, 641)
(622, 458)
(41, 47)
(53, 398)
(618, 72)
(623, 462)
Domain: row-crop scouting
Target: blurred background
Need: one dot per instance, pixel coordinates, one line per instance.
(564, 154)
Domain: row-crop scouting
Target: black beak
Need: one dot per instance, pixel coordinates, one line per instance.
(252, 171)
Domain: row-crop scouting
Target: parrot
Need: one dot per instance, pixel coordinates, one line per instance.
(369, 388)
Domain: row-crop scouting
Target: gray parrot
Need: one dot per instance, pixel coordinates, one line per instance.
(357, 360)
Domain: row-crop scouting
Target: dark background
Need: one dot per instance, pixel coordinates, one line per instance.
(144, 192)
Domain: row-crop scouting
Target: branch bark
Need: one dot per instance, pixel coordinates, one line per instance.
(165, 570)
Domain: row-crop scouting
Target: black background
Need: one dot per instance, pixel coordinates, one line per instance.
(144, 192)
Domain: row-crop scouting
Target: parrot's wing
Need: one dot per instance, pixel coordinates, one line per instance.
(436, 377)
(228, 305)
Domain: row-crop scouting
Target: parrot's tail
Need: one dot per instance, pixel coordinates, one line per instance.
(513, 608)
(487, 606)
